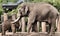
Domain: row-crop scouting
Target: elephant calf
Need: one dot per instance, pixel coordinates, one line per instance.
(7, 25)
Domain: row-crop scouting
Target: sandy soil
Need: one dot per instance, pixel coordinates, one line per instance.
(7, 33)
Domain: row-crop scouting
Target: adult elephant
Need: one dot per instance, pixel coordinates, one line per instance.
(38, 12)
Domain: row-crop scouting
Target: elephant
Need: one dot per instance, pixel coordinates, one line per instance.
(7, 25)
(38, 12)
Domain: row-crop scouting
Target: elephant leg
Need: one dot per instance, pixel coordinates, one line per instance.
(13, 28)
(52, 31)
(49, 28)
(31, 20)
(35, 27)
(3, 30)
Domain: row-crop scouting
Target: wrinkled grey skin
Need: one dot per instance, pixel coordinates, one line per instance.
(6, 25)
(38, 12)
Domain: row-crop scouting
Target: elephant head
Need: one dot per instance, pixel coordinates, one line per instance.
(23, 11)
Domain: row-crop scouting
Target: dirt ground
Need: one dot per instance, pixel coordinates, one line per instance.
(7, 33)
(30, 34)
(23, 34)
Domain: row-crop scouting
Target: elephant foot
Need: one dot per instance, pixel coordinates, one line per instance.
(3, 35)
(50, 35)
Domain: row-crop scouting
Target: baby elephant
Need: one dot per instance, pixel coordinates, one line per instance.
(6, 25)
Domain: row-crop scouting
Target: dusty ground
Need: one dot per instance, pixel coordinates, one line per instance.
(30, 34)
(7, 33)
(24, 34)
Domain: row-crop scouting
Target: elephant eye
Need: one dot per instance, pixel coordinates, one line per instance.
(19, 10)
(22, 7)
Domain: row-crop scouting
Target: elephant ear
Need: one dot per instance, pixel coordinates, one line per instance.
(26, 9)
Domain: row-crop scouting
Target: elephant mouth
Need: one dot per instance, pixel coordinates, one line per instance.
(19, 18)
